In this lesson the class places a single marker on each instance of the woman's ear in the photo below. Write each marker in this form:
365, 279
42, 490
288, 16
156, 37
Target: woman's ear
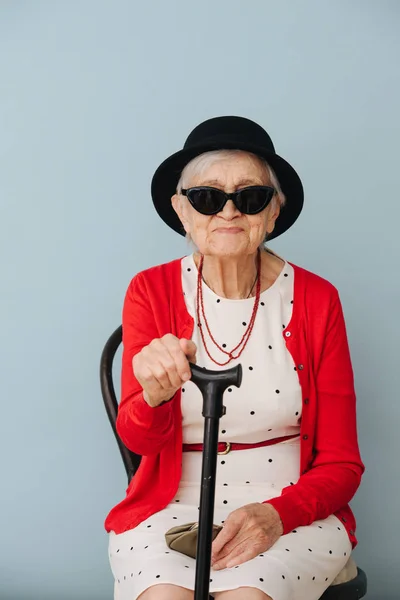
176, 202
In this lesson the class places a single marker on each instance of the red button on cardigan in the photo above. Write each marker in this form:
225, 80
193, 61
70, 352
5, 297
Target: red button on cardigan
330, 462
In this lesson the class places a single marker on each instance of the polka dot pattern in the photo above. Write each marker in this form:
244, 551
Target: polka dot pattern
291, 562
269, 404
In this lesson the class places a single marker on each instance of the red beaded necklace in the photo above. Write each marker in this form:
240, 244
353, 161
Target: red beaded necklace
247, 333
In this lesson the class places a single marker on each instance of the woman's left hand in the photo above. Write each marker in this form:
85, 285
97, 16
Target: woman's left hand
247, 531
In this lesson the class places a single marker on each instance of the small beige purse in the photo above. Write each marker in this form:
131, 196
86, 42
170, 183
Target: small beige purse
183, 538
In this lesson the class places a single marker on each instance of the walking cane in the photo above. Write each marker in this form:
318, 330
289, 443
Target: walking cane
212, 385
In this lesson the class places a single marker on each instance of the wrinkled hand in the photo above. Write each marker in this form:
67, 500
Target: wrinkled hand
162, 367
247, 531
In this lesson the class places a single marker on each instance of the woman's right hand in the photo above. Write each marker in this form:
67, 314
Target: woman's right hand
162, 367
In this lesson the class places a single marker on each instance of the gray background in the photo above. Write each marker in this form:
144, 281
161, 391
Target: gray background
93, 96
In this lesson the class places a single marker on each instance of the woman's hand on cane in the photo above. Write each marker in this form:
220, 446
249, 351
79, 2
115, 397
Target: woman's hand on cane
162, 367
247, 532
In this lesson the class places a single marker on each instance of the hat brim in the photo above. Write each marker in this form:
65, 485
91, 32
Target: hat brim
166, 177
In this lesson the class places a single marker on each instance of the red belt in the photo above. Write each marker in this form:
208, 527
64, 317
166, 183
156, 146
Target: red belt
225, 447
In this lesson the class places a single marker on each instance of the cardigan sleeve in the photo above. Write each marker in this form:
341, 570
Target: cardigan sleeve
143, 429
336, 469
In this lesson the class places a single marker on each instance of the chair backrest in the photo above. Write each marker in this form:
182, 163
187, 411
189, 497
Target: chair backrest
130, 459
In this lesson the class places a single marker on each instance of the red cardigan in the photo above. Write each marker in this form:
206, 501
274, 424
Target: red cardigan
330, 462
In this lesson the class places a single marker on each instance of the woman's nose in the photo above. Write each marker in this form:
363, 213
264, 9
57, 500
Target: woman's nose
229, 210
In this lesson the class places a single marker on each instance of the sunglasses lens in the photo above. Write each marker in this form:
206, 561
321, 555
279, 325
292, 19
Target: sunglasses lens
254, 200
206, 201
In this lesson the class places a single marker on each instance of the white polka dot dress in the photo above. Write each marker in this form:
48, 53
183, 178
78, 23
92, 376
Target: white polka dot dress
301, 564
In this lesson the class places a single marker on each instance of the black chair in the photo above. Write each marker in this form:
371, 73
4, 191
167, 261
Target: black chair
352, 590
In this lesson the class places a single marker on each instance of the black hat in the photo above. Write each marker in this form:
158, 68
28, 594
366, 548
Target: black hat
223, 133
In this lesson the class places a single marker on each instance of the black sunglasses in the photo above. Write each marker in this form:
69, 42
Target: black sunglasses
210, 201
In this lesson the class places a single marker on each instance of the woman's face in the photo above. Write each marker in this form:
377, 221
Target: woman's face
229, 232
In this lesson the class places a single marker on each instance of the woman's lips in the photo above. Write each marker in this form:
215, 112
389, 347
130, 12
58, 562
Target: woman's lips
229, 229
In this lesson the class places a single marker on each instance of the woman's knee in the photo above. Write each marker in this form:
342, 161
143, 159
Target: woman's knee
242, 593
166, 591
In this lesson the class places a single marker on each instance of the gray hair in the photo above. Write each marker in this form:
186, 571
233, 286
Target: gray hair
200, 163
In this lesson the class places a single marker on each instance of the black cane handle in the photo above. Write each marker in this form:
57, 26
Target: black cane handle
220, 380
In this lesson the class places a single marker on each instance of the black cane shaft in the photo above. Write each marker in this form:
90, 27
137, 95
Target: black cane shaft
212, 385
206, 512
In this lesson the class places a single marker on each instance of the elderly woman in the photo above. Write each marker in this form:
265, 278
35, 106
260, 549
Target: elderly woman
289, 462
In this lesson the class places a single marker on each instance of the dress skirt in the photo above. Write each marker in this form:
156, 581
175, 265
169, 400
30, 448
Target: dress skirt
300, 565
